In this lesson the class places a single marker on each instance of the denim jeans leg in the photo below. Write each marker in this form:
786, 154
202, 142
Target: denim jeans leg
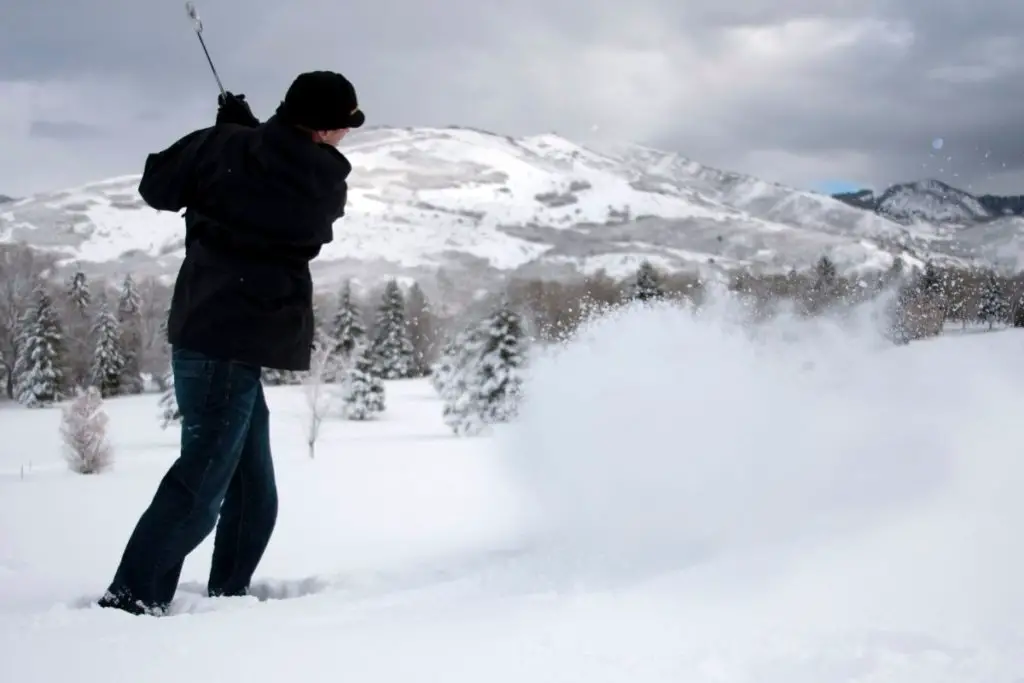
216, 400
249, 512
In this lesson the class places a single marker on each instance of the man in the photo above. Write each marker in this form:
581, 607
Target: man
260, 201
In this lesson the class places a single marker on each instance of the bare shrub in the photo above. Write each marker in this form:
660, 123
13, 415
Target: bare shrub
84, 431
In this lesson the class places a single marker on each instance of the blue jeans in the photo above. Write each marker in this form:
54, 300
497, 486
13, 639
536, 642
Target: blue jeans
225, 468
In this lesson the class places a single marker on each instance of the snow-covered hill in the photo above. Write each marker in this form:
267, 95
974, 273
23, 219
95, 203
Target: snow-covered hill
931, 201
482, 206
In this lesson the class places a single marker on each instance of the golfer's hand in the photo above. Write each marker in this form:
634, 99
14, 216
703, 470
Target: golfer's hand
233, 108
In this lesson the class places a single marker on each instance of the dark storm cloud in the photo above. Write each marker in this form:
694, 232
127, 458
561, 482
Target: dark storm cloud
690, 73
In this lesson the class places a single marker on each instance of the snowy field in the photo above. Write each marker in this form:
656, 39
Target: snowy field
676, 503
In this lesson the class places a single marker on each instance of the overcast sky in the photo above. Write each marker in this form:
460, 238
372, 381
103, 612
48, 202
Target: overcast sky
804, 92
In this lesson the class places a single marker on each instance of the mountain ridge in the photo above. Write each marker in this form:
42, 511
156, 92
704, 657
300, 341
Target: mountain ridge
933, 200
462, 205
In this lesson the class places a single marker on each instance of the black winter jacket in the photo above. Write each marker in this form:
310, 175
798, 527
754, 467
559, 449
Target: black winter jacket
259, 205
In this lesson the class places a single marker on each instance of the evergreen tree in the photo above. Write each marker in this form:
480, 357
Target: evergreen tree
420, 324
825, 272
1017, 312
78, 293
447, 361
78, 324
362, 392
456, 382
929, 282
647, 284
825, 288
129, 317
479, 374
108, 358
347, 328
499, 370
169, 412
391, 350
40, 366
130, 302
994, 305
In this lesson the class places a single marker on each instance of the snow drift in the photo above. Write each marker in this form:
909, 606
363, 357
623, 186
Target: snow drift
805, 472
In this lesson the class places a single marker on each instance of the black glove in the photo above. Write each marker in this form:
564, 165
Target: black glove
233, 108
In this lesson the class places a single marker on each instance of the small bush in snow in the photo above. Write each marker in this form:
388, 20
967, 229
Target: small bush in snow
84, 431
324, 364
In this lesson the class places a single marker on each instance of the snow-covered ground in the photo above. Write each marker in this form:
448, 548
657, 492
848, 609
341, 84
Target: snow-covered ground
676, 503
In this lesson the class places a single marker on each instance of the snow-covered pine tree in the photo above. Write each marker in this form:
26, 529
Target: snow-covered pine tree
362, 392
130, 302
420, 321
169, 412
447, 361
40, 366
108, 358
499, 368
84, 431
129, 317
482, 383
78, 293
825, 288
646, 285
347, 327
79, 302
994, 306
456, 380
391, 350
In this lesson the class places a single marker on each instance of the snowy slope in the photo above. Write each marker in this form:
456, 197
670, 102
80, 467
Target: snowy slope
855, 528
482, 206
766, 200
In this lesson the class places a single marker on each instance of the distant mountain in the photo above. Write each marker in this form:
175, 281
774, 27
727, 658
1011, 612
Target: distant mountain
470, 208
933, 201
1003, 205
4, 198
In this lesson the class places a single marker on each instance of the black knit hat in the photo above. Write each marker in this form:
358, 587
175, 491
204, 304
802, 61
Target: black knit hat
321, 100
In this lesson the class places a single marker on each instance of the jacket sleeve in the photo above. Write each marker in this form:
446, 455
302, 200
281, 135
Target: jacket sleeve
168, 179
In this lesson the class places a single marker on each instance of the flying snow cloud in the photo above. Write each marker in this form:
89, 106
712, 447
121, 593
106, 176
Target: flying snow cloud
857, 91
807, 470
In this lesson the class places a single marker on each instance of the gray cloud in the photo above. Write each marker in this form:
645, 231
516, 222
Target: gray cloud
63, 130
798, 91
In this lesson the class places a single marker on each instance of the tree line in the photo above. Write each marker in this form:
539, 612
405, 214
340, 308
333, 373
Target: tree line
923, 300
59, 336
62, 338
